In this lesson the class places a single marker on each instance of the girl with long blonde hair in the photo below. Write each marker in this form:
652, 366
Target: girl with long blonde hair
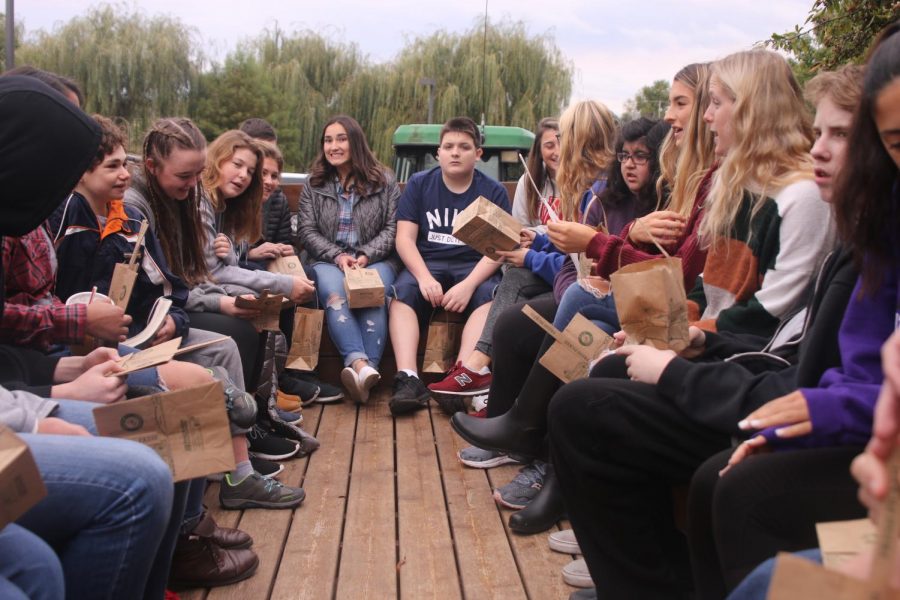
765, 226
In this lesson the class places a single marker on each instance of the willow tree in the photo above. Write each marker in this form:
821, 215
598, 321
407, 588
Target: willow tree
129, 65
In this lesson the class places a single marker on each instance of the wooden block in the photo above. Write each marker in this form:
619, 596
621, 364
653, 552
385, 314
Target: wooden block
486, 564
368, 567
427, 563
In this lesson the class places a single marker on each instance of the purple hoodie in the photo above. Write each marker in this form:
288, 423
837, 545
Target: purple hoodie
841, 407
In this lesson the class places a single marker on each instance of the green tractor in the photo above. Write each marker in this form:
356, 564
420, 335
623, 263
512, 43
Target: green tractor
415, 147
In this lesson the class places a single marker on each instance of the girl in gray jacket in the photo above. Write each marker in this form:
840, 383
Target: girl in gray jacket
347, 219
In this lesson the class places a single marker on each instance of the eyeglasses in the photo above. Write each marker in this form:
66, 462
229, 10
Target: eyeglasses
639, 158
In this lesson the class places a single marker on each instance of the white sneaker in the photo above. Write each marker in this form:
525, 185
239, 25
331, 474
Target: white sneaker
576, 573
564, 541
368, 378
359, 384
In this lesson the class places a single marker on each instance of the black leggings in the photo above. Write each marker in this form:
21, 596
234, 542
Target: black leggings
518, 342
244, 335
766, 504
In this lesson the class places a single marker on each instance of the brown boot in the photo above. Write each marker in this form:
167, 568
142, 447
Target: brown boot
199, 563
224, 537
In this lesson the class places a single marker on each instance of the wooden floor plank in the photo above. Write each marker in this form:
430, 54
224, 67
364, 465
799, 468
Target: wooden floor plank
309, 562
427, 562
369, 555
268, 527
540, 568
487, 567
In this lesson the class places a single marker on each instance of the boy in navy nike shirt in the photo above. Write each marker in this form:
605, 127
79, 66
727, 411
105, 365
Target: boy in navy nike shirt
441, 271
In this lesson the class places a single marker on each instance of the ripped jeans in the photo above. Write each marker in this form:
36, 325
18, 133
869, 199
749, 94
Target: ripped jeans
359, 333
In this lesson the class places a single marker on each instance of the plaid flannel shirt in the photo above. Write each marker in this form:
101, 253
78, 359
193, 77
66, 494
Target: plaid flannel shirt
32, 315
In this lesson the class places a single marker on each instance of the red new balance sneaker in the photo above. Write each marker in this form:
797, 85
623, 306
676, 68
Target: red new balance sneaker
462, 382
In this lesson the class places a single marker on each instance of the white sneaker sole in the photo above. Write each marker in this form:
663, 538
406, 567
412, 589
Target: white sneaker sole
500, 459
351, 383
576, 574
564, 542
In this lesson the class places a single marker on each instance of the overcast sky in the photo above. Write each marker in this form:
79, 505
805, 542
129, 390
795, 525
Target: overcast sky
616, 47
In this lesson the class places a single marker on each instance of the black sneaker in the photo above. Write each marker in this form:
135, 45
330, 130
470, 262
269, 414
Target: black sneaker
307, 442
308, 392
271, 447
328, 393
410, 394
266, 468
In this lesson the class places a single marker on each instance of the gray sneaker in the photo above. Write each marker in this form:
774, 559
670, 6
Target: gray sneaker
257, 492
524, 487
478, 458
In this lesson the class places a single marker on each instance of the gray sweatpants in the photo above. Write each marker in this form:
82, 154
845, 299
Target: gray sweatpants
518, 284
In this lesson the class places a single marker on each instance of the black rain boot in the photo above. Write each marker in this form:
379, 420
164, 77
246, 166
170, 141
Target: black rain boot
520, 430
544, 511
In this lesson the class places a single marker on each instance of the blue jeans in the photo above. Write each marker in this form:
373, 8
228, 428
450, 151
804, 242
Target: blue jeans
755, 586
107, 508
359, 333
81, 413
28, 567
602, 311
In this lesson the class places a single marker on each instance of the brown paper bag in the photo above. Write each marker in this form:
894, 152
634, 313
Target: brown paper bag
306, 339
269, 307
652, 304
841, 541
570, 356
21, 486
364, 288
441, 345
188, 428
288, 265
121, 284
487, 228
795, 578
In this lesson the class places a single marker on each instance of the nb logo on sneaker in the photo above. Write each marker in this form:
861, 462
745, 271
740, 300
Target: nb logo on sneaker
463, 379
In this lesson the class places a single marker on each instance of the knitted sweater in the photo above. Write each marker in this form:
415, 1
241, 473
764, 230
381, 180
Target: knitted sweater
226, 277
759, 273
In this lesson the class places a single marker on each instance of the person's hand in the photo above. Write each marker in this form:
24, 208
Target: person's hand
98, 356
457, 298
619, 338
790, 414
754, 445
432, 291
362, 261
166, 332
265, 251
570, 237
526, 237
94, 386
874, 479
344, 261
55, 426
696, 343
515, 258
302, 290
107, 322
645, 363
222, 246
227, 307
664, 225
286, 249
886, 425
